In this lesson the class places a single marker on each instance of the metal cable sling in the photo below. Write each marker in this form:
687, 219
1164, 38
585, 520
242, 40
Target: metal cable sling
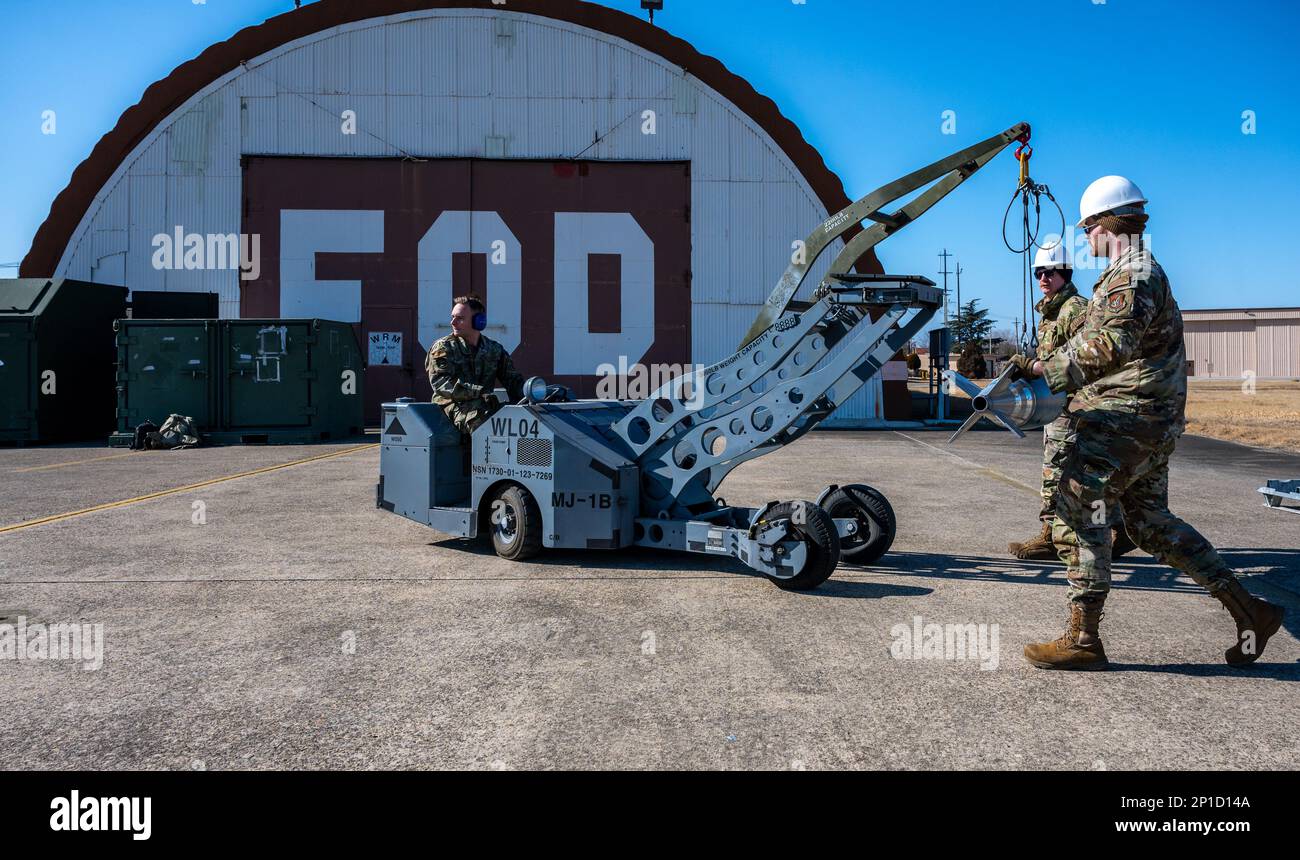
1025, 188
1029, 334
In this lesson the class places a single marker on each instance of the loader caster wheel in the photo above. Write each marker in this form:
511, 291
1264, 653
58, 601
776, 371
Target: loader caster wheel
516, 523
876, 523
815, 528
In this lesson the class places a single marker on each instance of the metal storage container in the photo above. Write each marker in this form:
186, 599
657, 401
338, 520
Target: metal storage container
290, 380
56, 359
166, 366
275, 380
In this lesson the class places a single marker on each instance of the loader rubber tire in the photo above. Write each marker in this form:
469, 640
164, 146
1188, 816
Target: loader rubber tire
877, 524
820, 539
517, 529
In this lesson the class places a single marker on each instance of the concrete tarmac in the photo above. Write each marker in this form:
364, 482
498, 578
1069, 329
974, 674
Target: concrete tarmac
280, 620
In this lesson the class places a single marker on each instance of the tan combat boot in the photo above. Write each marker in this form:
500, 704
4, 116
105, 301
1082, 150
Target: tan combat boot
1036, 549
1121, 543
1256, 619
1079, 647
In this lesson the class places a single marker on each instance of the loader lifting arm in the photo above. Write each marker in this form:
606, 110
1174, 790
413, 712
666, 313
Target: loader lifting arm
951, 172
780, 384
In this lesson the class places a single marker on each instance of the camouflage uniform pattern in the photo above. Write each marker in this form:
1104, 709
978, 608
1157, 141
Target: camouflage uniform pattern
1126, 373
1060, 316
1128, 358
462, 378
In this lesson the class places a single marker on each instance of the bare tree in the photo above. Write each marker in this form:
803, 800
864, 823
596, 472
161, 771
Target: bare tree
1004, 342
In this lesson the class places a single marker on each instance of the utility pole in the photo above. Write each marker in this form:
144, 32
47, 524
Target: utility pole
941, 389
959, 271
944, 256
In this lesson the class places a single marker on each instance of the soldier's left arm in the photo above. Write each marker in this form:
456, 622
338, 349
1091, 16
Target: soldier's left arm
1108, 337
512, 379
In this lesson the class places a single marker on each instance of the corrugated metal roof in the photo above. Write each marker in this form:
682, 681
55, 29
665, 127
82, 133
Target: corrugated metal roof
404, 59
250, 54
750, 283
538, 89
1241, 313
439, 125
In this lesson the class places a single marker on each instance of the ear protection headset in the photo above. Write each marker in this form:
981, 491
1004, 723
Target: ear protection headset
479, 321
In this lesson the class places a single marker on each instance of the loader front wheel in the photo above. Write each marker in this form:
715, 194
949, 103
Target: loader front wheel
516, 524
816, 530
875, 518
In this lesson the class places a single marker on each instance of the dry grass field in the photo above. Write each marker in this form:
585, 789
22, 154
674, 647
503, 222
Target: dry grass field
1267, 418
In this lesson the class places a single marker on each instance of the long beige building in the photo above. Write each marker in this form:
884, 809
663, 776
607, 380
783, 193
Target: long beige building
1229, 342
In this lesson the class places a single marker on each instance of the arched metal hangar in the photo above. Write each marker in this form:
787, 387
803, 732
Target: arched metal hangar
610, 190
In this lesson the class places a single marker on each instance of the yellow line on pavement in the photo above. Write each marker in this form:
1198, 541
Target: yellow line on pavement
73, 462
109, 505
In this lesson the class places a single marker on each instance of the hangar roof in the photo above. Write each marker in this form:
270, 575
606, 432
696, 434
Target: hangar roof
1201, 314
164, 96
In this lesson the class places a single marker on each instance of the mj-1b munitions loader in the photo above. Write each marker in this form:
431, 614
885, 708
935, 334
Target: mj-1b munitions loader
607, 474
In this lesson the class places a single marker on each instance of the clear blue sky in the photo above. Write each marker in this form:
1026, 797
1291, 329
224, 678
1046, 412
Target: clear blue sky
1152, 89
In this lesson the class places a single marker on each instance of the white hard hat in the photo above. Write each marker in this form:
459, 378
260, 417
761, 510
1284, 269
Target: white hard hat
1110, 194
1053, 256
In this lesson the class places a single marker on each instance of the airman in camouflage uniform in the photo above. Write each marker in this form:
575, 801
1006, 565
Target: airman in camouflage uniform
464, 368
1125, 370
1061, 314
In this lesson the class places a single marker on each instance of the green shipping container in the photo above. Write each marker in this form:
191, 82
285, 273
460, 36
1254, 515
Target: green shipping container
56, 359
243, 381
166, 366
